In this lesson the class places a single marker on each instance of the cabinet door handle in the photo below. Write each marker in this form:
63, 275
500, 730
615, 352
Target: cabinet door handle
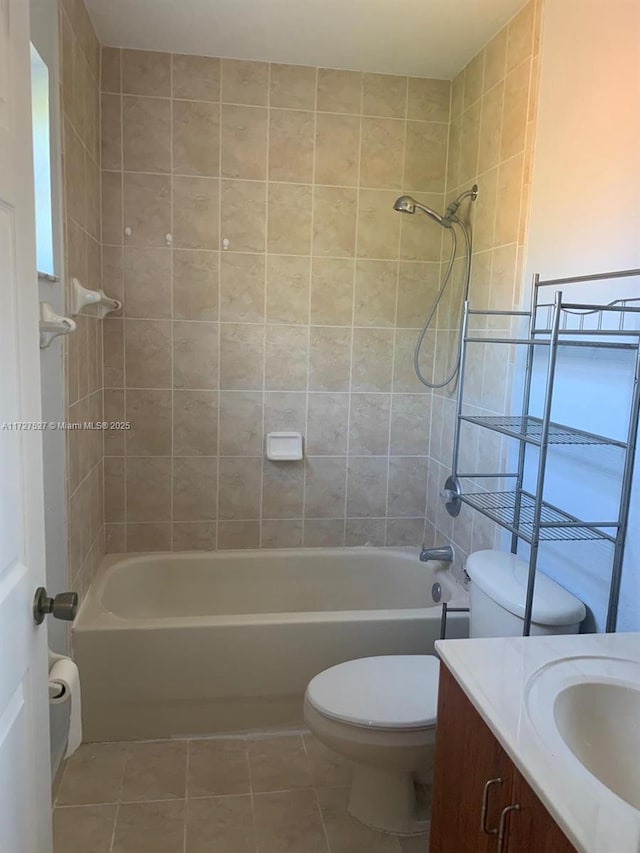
503, 824
485, 805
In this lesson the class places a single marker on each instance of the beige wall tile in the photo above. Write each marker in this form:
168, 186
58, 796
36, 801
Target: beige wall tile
323, 533
196, 77
114, 489
114, 412
195, 423
367, 487
241, 356
421, 239
381, 151
195, 213
369, 424
239, 488
147, 209
110, 74
376, 288
234, 535
287, 289
148, 537
113, 342
195, 285
514, 117
149, 413
485, 211
410, 425
289, 208
241, 414
291, 134
339, 91
284, 411
378, 225
242, 288
404, 377
332, 281
328, 420
244, 142
337, 149
490, 128
146, 72
365, 531
194, 536
372, 360
428, 100
509, 194
196, 138
147, 283
286, 356
194, 489
293, 86
243, 215
329, 358
418, 285
195, 355
334, 221
115, 538
111, 138
111, 192
425, 156
148, 353
495, 59
384, 95
282, 489
325, 487
148, 489
405, 531
146, 134
282, 534
470, 142
520, 35
245, 82
407, 486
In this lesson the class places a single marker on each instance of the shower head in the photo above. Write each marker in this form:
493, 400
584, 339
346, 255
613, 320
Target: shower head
406, 204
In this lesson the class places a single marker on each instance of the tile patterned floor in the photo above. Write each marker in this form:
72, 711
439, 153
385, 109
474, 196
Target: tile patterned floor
259, 794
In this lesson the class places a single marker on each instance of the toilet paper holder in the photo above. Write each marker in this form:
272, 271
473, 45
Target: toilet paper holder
62, 606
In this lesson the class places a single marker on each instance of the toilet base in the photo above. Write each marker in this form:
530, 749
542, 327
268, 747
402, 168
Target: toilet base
385, 800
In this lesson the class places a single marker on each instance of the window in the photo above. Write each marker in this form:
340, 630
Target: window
42, 162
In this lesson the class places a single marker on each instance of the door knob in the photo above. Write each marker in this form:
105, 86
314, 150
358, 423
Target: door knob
62, 606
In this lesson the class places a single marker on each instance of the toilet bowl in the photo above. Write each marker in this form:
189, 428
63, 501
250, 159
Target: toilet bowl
379, 712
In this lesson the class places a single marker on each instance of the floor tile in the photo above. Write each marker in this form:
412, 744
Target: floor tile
289, 822
327, 767
83, 829
345, 833
279, 764
155, 771
150, 827
93, 774
218, 767
220, 825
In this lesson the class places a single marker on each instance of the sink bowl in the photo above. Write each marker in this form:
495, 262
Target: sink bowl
588, 709
600, 723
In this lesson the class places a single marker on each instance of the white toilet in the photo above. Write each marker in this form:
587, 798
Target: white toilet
380, 712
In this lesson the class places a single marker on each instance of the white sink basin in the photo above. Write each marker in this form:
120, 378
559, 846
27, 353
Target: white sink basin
588, 709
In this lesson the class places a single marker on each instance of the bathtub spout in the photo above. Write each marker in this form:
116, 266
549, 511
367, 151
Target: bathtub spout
444, 554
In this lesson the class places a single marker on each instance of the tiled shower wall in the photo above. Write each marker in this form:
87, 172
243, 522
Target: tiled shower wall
80, 98
267, 285
493, 113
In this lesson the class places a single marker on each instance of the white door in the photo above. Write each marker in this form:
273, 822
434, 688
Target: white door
25, 823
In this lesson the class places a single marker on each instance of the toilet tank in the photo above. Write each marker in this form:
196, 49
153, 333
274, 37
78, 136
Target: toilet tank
498, 593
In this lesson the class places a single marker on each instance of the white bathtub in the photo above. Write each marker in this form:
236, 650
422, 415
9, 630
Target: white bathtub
200, 643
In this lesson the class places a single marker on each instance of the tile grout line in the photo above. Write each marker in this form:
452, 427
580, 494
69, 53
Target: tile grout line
219, 307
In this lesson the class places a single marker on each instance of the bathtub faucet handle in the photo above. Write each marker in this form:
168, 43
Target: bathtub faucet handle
443, 554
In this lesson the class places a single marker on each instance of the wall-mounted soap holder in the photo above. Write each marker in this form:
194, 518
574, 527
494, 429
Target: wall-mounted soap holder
82, 297
284, 446
52, 325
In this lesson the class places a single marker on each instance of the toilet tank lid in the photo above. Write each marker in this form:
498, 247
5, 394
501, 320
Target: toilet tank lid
503, 577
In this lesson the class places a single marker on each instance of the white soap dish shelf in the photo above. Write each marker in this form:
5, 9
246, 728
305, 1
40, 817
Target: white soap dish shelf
82, 297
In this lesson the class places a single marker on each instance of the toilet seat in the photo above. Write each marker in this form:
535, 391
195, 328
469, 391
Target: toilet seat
390, 692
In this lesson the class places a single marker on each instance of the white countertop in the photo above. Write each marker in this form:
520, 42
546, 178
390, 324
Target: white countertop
495, 674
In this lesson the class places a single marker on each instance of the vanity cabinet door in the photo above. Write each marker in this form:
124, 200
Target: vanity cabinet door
467, 757
531, 829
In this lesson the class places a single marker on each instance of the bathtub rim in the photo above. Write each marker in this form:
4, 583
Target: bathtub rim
92, 615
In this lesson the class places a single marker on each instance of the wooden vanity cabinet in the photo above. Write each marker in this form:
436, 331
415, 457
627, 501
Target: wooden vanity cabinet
475, 781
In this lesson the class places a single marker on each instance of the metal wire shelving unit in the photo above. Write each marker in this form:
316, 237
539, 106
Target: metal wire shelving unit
525, 514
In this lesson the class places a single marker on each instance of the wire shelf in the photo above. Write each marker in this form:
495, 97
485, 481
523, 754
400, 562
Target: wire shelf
530, 429
501, 507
